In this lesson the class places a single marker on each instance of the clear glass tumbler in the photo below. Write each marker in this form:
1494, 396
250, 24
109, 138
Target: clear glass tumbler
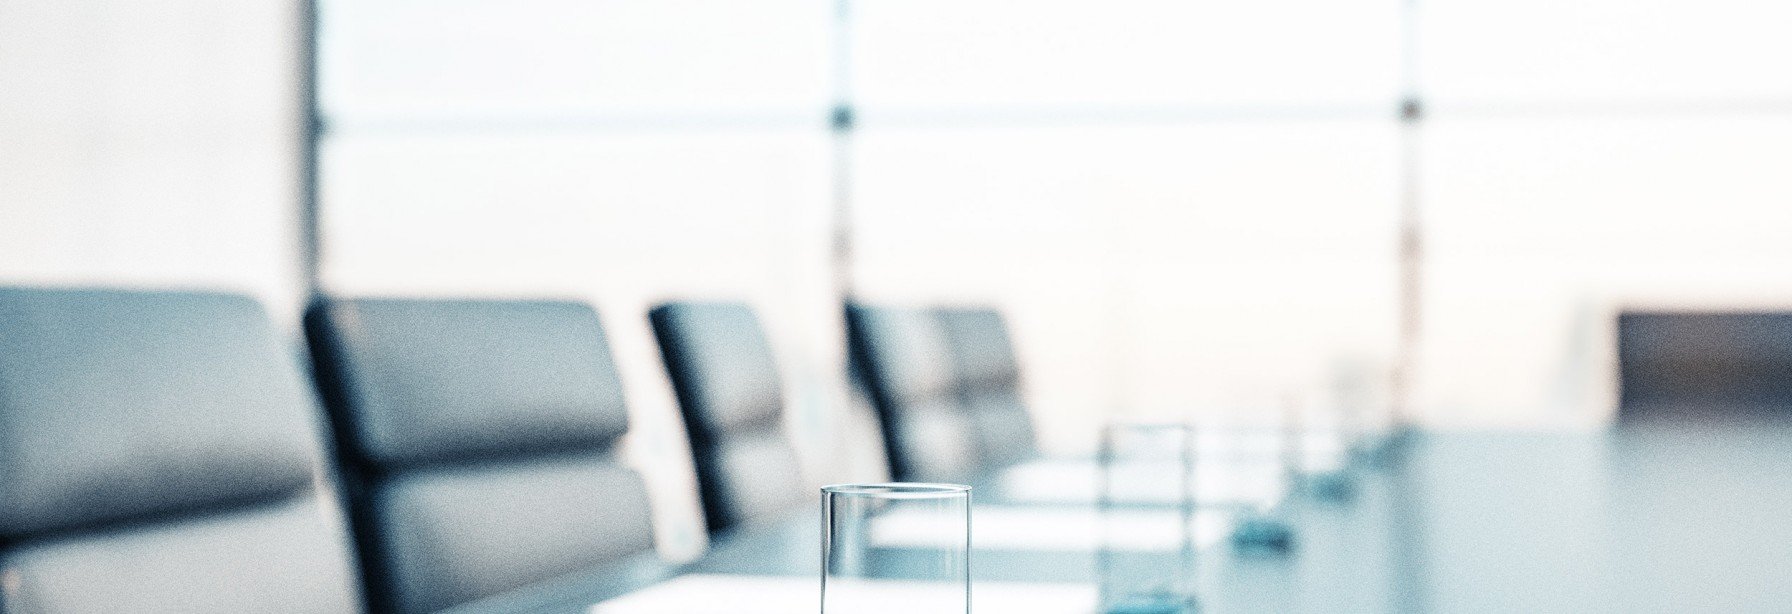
1147, 502
1323, 438
897, 547
1265, 523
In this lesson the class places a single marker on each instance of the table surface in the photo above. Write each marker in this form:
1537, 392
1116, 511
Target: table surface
1657, 518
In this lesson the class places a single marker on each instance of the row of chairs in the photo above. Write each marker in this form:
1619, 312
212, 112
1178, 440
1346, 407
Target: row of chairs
162, 452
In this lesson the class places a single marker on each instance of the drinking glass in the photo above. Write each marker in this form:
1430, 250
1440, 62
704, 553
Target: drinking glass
1147, 507
1265, 522
1324, 432
896, 547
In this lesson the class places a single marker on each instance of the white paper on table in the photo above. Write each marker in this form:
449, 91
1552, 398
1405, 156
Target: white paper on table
1032, 529
727, 594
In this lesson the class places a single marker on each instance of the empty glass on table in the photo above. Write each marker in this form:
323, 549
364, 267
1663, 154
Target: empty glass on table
1146, 560
896, 547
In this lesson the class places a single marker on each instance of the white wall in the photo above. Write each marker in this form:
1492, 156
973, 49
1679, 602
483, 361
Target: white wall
1184, 207
151, 143
1150, 269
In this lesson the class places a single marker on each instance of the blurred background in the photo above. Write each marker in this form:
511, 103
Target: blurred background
1444, 207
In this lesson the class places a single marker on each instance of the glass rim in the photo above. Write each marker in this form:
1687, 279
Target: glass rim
898, 490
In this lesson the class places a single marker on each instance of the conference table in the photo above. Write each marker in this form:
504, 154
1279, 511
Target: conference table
1663, 517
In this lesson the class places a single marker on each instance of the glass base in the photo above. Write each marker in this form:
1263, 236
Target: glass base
1266, 535
1331, 486
1153, 604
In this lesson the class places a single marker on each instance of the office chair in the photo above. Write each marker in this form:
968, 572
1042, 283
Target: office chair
729, 394
988, 382
161, 452
478, 440
902, 354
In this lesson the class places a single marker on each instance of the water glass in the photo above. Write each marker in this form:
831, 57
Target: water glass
896, 547
1147, 557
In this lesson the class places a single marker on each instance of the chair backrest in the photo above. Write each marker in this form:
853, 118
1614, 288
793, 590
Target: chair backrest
729, 393
160, 452
988, 381
1703, 365
902, 354
479, 443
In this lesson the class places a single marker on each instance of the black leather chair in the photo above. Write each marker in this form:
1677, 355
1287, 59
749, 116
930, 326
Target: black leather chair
161, 452
988, 382
729, 393
903, 355
1704, 366
478, 439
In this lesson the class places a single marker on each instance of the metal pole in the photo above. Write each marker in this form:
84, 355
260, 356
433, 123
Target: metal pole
1411, 232
311, 130
842, 122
